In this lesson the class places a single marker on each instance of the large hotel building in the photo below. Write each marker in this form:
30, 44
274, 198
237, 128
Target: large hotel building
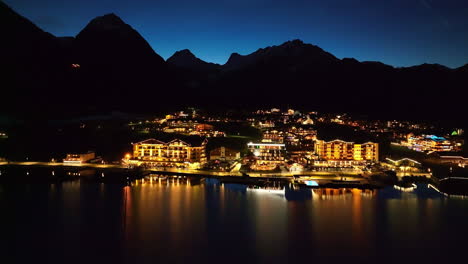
342, 153
152, 152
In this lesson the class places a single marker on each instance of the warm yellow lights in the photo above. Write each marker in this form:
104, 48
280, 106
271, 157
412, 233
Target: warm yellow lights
342, 150
176, 153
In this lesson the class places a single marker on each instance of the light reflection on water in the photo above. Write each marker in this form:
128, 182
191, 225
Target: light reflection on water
172, 220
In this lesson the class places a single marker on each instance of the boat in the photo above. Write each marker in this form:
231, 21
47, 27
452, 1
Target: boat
271, 190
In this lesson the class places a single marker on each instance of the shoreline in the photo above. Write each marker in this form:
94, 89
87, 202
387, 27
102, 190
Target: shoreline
124, 174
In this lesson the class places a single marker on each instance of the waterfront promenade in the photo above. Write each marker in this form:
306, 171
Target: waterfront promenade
61, 164
329, 175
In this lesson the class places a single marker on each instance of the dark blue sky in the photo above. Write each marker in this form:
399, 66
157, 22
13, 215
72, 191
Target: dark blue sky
396, 32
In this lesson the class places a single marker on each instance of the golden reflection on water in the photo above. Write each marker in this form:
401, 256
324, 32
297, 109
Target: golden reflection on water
126, 209
341, 220
175, 205
357, 225
270, 212
172, 213
181, 217
172, 210
222, 198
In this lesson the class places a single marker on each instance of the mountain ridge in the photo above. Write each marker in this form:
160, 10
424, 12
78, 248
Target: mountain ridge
115, 18
111, 61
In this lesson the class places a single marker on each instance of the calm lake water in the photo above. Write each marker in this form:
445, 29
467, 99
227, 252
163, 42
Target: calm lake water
181, 222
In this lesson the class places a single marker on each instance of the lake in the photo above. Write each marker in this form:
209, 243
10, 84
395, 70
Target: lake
180, 221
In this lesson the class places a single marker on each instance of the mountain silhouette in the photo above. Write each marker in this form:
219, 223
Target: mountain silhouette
109, 66
21, 39
107, 39
30, 62
115, 61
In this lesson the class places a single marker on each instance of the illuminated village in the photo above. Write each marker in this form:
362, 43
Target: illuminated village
288, 144
307, 147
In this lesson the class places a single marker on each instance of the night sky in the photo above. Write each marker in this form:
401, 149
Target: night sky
396, 32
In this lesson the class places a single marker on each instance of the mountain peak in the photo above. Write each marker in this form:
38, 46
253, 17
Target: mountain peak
233, 58
106, 37
107, 22
186, 59
294, 42
235, 55
289, 52
183, 53
235, 61
110, 16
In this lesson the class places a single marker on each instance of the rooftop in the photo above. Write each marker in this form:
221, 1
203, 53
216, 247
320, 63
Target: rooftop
193, 141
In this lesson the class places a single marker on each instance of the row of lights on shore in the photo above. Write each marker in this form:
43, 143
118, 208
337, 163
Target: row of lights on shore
176, 181
69, 173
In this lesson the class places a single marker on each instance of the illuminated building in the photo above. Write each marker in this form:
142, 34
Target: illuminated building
273, 136
180, 130
430, 143
206, 130
338, 119
179, 153
301, 131
301, 137
341, 153
182, 123
181, 114
295, 167
456, 160
405, 162
268, 152
79, 158
193, 128
308, 121
292, 137
205, 133
224, 154
266, 124
405, 165
301, 156
204, 127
